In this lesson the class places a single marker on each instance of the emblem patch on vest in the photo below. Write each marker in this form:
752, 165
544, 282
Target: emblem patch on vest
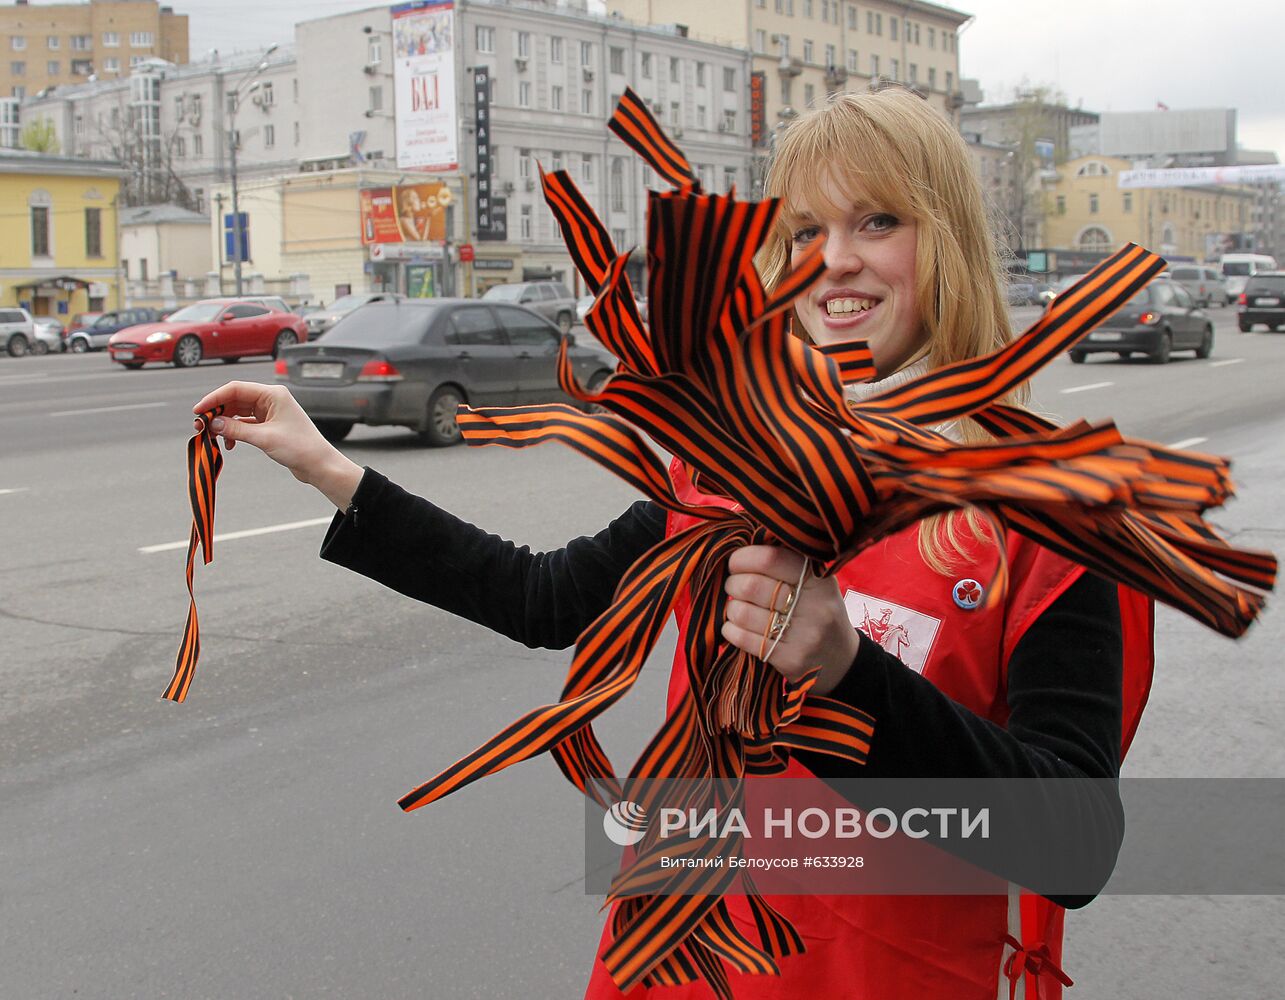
906, 634
967, 594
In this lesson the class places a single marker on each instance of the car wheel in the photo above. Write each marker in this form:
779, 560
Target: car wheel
284, 339
1206, 347
1245, 327
39, 347
596, 382
79, 346
188, 352
17, 345
564, 322
1160, 356
440, 428
334, 430
132, 365
1077, 357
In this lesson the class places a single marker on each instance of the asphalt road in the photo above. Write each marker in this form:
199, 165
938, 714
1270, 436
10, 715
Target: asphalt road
248, 843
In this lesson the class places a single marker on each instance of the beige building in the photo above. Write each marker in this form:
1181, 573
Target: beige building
807, 49
165, 254
1088, 211
55, 44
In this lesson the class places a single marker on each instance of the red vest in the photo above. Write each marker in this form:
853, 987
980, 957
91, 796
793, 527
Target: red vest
881, 947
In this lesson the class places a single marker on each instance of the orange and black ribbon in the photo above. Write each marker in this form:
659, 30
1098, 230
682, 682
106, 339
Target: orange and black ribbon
204, 462
762, 418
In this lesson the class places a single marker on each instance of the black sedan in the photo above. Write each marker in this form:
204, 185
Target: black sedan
410, 363
1160, 319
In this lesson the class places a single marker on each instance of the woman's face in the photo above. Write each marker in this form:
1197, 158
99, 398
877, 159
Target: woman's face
868, 290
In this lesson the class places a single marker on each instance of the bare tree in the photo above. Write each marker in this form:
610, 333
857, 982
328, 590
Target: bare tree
138, 143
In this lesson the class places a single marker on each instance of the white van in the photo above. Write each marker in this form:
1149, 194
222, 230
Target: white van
1237, 267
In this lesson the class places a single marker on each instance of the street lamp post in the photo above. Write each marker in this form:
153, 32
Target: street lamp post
238, 237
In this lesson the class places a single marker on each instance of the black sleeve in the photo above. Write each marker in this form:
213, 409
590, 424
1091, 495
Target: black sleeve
540, 599
1065, 711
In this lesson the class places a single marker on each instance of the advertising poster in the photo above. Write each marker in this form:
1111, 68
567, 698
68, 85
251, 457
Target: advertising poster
424, 83
406, 213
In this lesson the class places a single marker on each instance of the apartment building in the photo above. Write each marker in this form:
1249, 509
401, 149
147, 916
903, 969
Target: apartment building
809, 49
52, 45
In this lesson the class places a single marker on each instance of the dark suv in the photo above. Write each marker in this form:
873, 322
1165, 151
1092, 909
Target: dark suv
95, 336
1262, 301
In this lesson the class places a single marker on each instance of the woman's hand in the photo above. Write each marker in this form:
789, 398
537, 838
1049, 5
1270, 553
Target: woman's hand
819, 633
269, 418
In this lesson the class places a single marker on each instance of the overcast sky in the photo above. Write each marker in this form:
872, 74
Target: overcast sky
1105, 55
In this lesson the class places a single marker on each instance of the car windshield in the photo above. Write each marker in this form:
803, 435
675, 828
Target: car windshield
1267, 283
383, 324
503, 293
200, 312
1236, 268
347, 303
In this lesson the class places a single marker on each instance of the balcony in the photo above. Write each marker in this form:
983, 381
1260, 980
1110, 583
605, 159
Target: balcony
789, 66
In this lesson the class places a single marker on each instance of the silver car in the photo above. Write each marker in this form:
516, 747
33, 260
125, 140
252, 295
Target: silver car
17, 331
49, 335
549, 299
327, 316
1204, 284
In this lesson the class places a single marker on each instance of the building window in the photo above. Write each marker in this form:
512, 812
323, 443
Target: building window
914, 72
377, 98
40, 230
198, 144
524, 94
140, 39
180, 147
1061, 204
93, 232
700, 74
760, 40
523, 43
675, 114
807, 50
198, 194
1128, 201
932, 38
269, 98
807, 8
19, 92
829, 56
18, 69
484, 38
618, 238
53, 67
111, 40
729, 121
786, 90
296, 133
586, 168
53, 42
783, 45
555, 50
142, 268
729, 79
892, 28
1097, 239
1093, 204
673, 69
111, 64
135, 61
555, 98
729, 179
81, 43
586, 53
374, 51
894, 67
916, 26
557, 159
525, 230
617, 184
17, 42
950, 81
932, 77
874, 64
269, 136
809, 94
616, 60
586, 102
645, 62
700, 116
524, 164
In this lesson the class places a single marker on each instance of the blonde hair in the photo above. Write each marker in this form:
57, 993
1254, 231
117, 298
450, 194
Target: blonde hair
899, 154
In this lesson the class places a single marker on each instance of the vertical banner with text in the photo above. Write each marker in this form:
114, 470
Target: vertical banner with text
424, 81
482, 149
758, 109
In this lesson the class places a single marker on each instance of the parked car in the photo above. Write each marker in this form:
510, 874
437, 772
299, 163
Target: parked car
228, 329
17, 330
49, 335
1204, 284
1237, 268
548, 298
1025, 293
95, 336
325, 317
411, 363
1262, 301
1158, 320
1052, 291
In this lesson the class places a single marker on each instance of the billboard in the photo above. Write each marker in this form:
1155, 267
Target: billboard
1187, 176
424, 85
404, 213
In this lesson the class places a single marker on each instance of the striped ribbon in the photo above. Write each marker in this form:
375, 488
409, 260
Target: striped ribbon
760, 417
204, 462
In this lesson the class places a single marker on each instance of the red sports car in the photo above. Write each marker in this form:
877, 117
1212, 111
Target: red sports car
229, 329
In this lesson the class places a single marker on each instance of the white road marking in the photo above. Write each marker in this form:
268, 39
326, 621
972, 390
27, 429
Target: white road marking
106, 409
18, 489
1225, 361
250, 533
1086, 388
1188, 443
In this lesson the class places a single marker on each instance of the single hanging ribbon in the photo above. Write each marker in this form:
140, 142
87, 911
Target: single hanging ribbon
204, 461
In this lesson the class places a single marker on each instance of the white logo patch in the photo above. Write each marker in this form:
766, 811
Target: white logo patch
906, 634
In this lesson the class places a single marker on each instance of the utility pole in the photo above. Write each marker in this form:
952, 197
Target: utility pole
238, 237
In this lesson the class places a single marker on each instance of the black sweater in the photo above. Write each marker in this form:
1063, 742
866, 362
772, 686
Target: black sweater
1064, 677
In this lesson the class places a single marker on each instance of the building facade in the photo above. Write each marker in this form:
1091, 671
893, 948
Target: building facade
58, 239
1092, 214
808, 49
53, 45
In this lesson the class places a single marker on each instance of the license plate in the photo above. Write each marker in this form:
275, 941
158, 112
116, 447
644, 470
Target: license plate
322, 369
1106, 336
124, 355
1268, 302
